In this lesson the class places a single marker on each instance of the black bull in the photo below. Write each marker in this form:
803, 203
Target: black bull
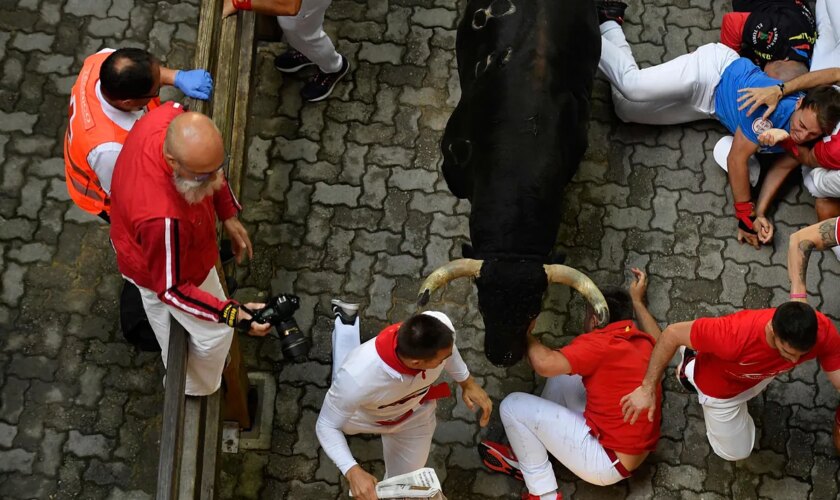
511, 146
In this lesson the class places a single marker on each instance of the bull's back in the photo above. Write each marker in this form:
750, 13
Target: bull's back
519, 132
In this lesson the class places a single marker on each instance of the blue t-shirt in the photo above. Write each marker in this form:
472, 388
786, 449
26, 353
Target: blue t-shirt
742, 74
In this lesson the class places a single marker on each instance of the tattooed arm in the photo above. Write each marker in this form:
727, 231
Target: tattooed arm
819, 236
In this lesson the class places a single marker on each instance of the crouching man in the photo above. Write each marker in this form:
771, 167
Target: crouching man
578, 419
387, 386
736, 357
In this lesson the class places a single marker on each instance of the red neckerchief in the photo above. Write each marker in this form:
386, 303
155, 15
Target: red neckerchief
386, 347
625, 328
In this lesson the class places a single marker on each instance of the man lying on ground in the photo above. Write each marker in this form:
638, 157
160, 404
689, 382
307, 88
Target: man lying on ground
704, 84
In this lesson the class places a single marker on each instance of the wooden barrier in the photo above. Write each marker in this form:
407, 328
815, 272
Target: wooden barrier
192, 426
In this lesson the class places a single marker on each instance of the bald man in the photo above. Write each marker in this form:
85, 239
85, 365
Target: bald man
167, 190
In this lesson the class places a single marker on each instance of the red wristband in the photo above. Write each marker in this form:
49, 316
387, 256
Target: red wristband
242, 4
799, 295
744, 213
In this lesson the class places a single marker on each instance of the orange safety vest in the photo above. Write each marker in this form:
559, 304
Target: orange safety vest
87, 128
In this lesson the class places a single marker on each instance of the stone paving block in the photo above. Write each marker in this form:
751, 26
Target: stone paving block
378, 53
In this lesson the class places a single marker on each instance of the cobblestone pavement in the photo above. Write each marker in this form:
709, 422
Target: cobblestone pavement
344, 198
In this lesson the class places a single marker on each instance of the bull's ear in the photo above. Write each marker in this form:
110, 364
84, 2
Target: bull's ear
467, 251
557, 257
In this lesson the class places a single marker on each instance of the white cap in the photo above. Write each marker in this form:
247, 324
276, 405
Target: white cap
440, 317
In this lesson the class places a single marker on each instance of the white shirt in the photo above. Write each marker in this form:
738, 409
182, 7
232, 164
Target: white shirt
367, 390
103, 157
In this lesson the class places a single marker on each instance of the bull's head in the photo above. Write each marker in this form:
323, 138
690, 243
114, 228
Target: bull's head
510, 298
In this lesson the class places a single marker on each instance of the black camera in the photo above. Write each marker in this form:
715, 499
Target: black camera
279, 312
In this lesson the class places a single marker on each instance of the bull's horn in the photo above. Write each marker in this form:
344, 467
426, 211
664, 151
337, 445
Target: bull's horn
444, 274
565, 275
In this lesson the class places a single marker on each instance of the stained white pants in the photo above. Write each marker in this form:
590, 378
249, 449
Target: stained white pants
821, 182
207, 343
305, 33
405, 446
678, 91
729, 426
554, 423
827, 48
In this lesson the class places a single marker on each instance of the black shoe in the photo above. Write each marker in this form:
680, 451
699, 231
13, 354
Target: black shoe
291, 61
345, 311
682, 378
611, 10
322, 84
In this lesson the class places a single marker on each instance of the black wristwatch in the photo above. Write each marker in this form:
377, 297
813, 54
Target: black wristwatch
782, 88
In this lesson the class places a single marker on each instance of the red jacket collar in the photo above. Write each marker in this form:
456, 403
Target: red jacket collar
386, 347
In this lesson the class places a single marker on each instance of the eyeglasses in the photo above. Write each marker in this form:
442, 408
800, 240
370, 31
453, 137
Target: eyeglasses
195, 176
498, 8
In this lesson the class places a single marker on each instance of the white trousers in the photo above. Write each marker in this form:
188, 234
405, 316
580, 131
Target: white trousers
536, 426
821, 182
827, 48
729, 426
207, 343
678, 91
305, 33
405, 446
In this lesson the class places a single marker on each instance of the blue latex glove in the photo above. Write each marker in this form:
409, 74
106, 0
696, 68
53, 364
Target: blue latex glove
196, 83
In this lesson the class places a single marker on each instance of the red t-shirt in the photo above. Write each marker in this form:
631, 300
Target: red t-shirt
612, 362
733, 354
827, 150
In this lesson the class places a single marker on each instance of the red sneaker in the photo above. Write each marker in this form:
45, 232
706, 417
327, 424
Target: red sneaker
528, 496
500, 458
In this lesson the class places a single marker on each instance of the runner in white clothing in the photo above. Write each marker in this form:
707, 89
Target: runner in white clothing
387, 386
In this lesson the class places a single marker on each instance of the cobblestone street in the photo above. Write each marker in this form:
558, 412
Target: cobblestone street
345, 198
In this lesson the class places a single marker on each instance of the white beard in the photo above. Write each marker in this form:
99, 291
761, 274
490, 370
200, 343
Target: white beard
195, 191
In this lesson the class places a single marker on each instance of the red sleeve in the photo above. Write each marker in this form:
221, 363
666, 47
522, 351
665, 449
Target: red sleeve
584, 354
829, 355
162, 241
225, 202
827, 151
731, 29
718, 336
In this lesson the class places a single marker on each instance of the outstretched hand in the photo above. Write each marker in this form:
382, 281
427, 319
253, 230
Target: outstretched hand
755, 98
748, 237
772, 137
764, 228
239, 239
638, 288
474, 396
635, 403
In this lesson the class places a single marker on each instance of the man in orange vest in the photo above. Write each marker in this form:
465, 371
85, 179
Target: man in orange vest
114, 89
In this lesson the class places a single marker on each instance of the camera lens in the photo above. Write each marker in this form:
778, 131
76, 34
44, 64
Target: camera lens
293, 344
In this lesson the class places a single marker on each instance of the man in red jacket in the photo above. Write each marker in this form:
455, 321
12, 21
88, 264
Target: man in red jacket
166, 192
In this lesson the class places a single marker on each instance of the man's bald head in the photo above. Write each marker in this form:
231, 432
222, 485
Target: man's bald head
195, 143
785, 70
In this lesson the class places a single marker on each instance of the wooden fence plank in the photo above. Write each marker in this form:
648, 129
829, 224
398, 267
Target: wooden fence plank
172, 426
